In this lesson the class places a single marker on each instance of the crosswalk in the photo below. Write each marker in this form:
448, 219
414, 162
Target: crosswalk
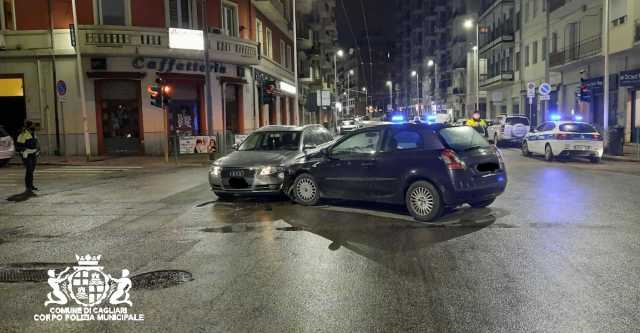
13, 177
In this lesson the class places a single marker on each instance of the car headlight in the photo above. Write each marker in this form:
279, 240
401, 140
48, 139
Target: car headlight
270, 170
215, 171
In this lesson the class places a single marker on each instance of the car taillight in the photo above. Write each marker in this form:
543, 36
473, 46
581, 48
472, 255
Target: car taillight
561, 136
597, 137
451, 160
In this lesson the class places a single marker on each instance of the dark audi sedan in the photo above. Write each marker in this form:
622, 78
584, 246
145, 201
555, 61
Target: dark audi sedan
257, 165
428, 168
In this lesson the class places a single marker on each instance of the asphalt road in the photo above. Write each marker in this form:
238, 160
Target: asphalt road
558, 252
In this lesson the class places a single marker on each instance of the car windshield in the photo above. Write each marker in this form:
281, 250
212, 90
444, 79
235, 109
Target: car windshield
577, 128
348, 122
518, 120
269, 141
463, 138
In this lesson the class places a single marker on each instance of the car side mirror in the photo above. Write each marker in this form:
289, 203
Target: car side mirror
235, 146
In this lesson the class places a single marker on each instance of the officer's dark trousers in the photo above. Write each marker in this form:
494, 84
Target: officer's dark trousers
30, 167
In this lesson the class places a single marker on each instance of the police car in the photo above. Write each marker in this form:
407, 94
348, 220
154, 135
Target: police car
564, 139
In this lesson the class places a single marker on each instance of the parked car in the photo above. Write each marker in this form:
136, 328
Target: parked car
257, 165
566, 139
7, 148
508, 129
347, 125
425, 167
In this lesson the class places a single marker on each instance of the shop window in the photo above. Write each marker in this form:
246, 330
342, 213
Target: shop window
113, 12
230, 19
269, 44
7, 15
182, 14
535, 52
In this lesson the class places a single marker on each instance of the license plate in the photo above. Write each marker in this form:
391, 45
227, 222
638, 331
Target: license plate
582, 147
236, 173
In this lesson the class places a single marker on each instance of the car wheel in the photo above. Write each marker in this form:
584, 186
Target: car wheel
423, 201
223, 196
305, 190
4, 162
595, 159
482, 204
525, 149
548, 153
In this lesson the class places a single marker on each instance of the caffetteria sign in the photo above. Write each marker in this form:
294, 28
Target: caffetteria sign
168, 65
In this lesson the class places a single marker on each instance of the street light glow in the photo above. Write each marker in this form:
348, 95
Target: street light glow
351, 72
430, 63
475, 47
414, 73
364, 88
340, 53
468, 24
389, 83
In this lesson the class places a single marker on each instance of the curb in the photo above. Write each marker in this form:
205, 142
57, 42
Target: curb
620, 159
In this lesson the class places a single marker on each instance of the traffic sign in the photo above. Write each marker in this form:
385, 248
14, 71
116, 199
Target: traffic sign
531, 89
61, 88
544, 89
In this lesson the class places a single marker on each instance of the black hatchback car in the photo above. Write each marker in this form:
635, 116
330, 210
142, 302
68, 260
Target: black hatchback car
428, 168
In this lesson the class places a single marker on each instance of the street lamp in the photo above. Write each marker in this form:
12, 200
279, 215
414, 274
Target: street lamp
417, 76
433, 64
470, 24
338, 53
351, 72
366, 99
390, 85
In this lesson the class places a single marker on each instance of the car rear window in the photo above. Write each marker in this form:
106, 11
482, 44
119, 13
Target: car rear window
463, 138
577, 128
517, 120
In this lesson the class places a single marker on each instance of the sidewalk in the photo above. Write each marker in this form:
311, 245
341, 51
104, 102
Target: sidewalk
139, 161
631, 153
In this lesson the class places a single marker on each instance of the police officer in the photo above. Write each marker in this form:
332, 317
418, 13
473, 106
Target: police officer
29, 148
475, 120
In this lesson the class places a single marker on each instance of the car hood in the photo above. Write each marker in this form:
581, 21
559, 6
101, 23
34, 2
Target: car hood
245, 159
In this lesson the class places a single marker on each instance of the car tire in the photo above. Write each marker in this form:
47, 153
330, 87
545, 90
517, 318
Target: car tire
482, 204
525, 149
423, 201
4, 162
223, 196
595, 159
548, 153
305, 190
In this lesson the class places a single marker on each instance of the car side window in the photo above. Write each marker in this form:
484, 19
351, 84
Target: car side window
404, 140
361, 143
549, 126
541, 127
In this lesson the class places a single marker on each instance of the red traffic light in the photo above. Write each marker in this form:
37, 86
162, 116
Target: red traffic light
153, 90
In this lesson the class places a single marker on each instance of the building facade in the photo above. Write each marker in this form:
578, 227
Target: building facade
86, 88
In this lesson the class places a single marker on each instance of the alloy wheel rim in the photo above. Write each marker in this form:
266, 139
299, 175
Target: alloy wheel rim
421, 200
306, 189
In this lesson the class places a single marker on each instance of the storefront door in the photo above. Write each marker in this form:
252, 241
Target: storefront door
119, 116
12, 104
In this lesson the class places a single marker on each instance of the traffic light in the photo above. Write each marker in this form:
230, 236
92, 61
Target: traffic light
166, 95
159, 93
584, 92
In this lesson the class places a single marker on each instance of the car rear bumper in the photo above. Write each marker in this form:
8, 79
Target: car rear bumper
475, 188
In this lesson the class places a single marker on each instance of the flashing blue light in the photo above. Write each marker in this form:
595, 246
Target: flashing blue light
578, 118
397, 118
555, 117
431, 118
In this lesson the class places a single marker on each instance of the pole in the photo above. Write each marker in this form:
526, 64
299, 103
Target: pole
165, 125
83, 103
418, 92
295, 65
605, 48
55, 78
208, 73
334, 114
348, 94
477, 52
546, 58
437, 92
391, 96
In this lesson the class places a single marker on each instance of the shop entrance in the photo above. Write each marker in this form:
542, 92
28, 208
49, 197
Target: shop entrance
119, 116
13, 110
185, 109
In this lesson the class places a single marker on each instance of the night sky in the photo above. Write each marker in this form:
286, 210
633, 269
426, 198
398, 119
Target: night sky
379, 19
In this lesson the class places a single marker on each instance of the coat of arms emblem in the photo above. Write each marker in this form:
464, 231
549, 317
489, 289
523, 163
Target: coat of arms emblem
87, 284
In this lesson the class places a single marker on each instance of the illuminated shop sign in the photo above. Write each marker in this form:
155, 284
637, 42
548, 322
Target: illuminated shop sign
168, 65
186, 39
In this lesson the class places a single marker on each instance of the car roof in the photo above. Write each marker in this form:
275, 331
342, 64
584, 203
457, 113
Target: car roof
402, 125
285, 128
562, 122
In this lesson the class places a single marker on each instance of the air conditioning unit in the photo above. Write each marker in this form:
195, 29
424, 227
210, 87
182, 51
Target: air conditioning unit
3, 44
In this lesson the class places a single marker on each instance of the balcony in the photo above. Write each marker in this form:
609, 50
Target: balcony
503, 33
584, 49
555, 4
497, 79
636, 38
274, 10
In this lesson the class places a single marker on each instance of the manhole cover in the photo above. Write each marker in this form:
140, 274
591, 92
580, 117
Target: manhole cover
160, 279
29, 272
